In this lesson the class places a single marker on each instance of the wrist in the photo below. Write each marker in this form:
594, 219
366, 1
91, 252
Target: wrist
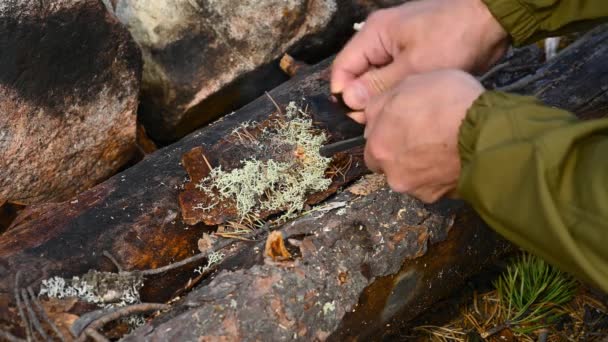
493, 35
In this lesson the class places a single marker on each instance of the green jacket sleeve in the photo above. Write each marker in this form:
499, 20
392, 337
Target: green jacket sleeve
527, 21
539, 177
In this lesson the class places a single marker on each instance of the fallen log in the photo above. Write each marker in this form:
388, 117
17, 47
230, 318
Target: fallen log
347, 274
135, 216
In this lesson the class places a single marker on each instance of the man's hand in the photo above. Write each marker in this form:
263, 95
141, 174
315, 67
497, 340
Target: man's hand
412, 132
416, 37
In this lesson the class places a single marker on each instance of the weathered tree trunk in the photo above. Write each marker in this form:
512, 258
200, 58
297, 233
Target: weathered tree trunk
388, 255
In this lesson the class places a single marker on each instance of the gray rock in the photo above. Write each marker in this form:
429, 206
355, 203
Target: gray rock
69, 82
196, 52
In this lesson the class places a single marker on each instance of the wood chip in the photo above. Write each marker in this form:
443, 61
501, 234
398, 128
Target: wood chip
368, 184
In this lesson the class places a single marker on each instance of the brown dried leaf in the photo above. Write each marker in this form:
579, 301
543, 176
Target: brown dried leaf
290, 66
275, 247
368, 184
206, 243
59, 312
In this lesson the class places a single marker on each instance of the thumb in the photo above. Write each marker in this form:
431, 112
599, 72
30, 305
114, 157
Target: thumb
375, 81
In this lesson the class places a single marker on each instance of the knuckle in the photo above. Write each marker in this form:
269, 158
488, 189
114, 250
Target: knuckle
375, 82
377, 17
374, 17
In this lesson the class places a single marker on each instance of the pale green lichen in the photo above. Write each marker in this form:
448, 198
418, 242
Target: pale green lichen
95, 287
329, 307
213, 259
275, 184
107, 290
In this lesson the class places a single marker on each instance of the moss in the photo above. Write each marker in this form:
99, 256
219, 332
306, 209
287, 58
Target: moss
282, 182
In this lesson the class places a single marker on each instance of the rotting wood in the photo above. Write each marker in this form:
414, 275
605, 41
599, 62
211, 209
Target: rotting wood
135, 217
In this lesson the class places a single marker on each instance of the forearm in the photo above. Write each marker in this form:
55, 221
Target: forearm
539, 176
527, 21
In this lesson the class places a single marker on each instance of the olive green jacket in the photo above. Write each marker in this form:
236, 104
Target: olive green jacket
538, 175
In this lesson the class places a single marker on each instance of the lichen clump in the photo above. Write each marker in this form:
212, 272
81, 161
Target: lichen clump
107, 290
104, 289
275, 184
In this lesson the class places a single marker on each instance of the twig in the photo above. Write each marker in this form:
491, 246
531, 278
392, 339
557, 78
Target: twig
113, 260
493, 71
32, 315
543, 335
197, 257
232, 236
28, 327
122, 312
207, 162
181, 263
44, 315
525, 67
96, 335
524, 81
274, 102
495, 330
9, 337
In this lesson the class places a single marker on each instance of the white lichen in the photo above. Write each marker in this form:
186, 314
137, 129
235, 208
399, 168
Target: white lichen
328, 307
275, 184
107, 290
213, 259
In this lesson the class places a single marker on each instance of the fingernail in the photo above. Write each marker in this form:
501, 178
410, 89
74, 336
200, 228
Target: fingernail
335, 87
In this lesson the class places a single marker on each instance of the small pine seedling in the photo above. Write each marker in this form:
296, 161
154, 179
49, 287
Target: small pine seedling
532, 291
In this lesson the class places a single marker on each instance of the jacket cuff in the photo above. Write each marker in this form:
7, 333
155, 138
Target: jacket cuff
515, 18
486, 124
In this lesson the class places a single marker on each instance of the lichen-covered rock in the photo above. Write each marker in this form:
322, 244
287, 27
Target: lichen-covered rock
194, 48
69, 82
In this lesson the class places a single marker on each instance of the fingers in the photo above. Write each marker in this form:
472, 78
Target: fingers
377, 150
359, 117
374, 82
375, 108
364, 50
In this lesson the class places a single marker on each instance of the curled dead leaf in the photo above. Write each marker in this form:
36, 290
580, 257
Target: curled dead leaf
206, 243
275, 247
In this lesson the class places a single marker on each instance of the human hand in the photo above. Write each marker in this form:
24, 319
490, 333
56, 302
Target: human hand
415, 37
412, 132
